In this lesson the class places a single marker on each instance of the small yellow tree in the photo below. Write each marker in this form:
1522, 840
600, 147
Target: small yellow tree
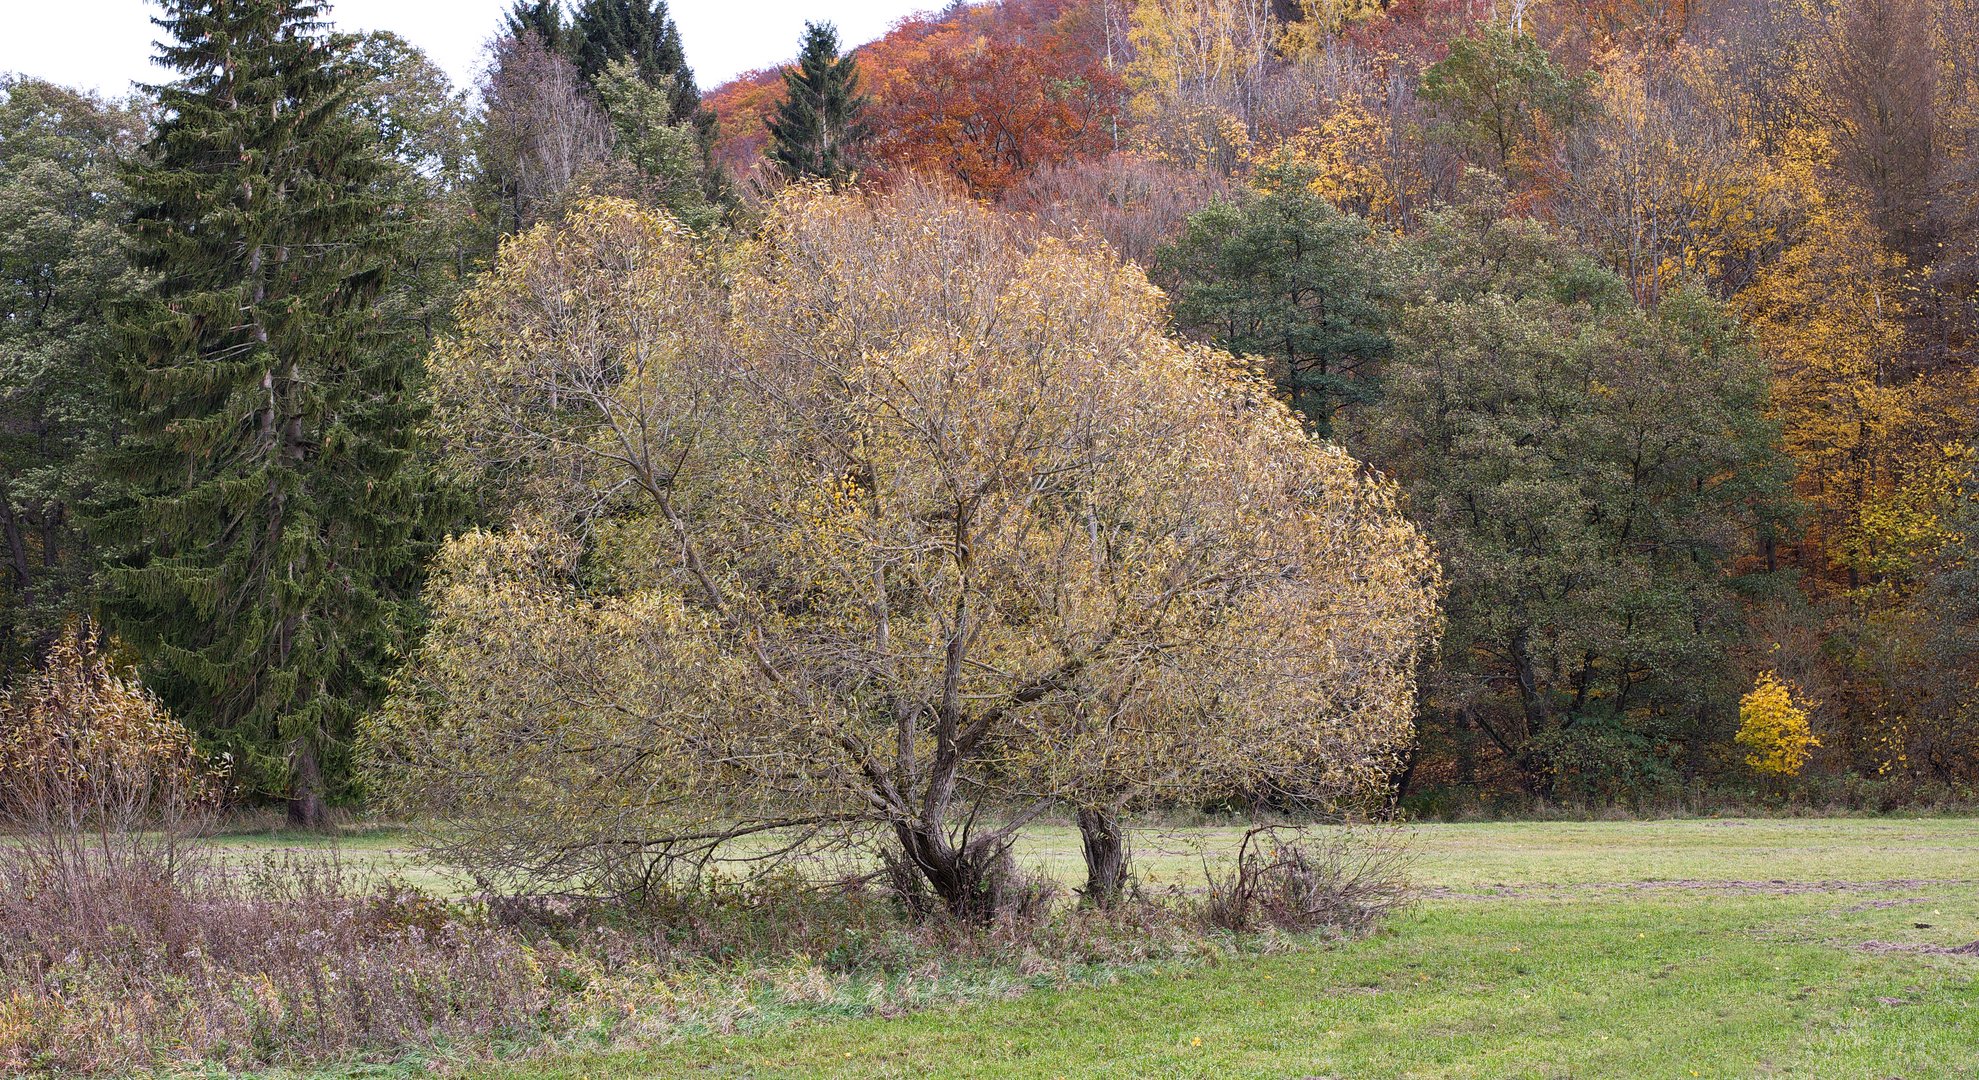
1773, 728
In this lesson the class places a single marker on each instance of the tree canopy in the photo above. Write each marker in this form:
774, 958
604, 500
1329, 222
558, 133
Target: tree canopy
904, 513
62, 260
1592, 473
1280, 273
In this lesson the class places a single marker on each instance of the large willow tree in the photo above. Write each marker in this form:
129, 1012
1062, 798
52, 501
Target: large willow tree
262, 531
885, 517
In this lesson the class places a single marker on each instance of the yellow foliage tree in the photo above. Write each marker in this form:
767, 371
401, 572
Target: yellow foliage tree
1773, 728
1663, 192
1198, 72
879, 516
1356, 161
1320, 22
1860, 424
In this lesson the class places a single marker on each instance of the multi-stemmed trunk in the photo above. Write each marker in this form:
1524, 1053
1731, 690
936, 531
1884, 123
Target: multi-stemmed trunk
972, 881
1105, 844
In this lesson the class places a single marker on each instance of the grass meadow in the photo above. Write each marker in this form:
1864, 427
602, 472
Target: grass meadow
1824, 948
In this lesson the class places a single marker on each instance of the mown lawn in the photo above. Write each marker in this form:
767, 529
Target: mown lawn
1795, 948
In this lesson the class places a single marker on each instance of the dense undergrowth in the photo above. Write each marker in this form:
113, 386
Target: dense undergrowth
296, 958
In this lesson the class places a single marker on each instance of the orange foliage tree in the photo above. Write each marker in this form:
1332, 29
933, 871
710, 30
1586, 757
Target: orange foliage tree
988, 95
990, 109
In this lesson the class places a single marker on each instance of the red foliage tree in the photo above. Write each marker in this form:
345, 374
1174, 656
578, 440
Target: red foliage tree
987, 95
741, 106
990, 111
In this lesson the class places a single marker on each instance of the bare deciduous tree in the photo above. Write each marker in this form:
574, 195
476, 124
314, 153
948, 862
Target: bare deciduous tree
1134, 203
1882, 82
542, 129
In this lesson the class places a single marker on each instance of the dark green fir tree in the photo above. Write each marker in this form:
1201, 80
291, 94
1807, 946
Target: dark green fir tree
544, 18
264, 534
641, 33
819, 124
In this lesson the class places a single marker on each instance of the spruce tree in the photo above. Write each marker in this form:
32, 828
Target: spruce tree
642, 33
819, 122
264, 536
544, 18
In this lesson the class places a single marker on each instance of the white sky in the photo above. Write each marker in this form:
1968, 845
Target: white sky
106, 44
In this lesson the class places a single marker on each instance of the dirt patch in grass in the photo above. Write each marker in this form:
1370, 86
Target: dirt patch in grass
1802, 888
1732, 886
1883, 905
1505, 892
1917, 948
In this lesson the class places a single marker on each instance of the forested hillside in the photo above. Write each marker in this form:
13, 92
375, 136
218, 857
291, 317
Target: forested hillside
1619, 357
1661, 313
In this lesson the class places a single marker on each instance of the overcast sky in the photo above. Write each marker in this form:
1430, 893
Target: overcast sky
106, 44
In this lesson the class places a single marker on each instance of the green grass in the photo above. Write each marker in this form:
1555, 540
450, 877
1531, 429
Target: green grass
1453, 857
1546, 950
1712, 987
1470, 856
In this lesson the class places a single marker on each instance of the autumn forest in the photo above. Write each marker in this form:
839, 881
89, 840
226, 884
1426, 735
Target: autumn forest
1660, 314
754, 547
1658, 317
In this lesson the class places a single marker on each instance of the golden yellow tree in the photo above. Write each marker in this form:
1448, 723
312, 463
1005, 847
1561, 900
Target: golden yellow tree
1828, 315
1197, 75
1773, 728
885, 515
1356, 160
1665, 191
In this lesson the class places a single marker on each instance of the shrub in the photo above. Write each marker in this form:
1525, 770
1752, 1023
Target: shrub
1288, 878
101, 784
83, 749
288, 961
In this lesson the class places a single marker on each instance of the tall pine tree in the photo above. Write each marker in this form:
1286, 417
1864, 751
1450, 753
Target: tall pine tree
819, 122
544, 18
265, 535
641, 33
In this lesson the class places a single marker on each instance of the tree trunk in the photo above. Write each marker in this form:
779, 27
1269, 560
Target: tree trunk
307, 809
970, 882
1398, 786
1538, 713
16, 547
1532, 697
1105, 844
